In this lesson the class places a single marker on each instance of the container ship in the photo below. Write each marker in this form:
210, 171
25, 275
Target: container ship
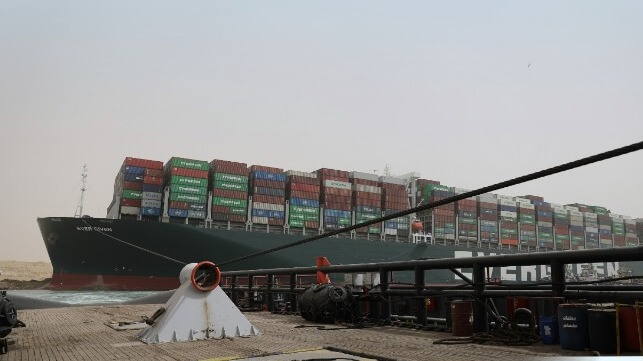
186, 210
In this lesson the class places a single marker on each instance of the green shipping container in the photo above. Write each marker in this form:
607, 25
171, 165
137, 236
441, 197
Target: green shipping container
562, 237
577, 239
129, 194
297, 217
296, 222
305, 210
238, 210
231, 186
230, 202
374, 230
468, 220
189, 163
344, 221
231, 178
189, 181
177, 188
192, 198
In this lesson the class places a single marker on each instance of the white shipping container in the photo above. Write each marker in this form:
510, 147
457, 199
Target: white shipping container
506, 198
130, 210
461, 190
571, 208
508, 214
337, 184
150, 203
301, 174
522, 200
576, 223
153, 196
366, 176
369, 189
575, 213
591, 229
576, 219
558, 207
615, 216
486, 199
526, 206
268, 206
260, 220
544, 224
510, 203
629, 221
392, 180
389, 231
605, 227
590, 215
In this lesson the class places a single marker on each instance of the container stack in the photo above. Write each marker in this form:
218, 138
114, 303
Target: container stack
631, 238
604, 227
467, 212
268, 190
526, 223
561, 227
639, 228
229, 191
508, 220
138, 185
576, 231
544, 220
187, 180
302, 192
336, 198
618, 230
488, 211
395, 199
367, 200
591, 229
422, 186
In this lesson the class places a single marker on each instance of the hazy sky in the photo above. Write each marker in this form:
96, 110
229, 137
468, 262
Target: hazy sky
468, 93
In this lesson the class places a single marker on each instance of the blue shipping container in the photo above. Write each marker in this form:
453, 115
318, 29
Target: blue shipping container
175, 212
155, 188
304, 202
279, 177
150, 211
133, 170
133, 177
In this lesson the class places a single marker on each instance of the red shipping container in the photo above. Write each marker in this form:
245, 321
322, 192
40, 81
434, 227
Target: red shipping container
466, 202
332, 172
275, 221
488, 217
366, 195
179, 205
255, 167
229, 194
470, 209
509, 242
268, 183
268, 199
305, 187
303, 180
228, 167
535, 198
338, 199
561, 229
154, 172
143, 163
152, 180
365, 182
130, 202
189, 172
487, 205
340, 206
442, 212
133, 186
221, 209
304, 195
367, 202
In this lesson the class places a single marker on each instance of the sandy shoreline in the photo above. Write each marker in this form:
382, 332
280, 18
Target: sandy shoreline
24, 275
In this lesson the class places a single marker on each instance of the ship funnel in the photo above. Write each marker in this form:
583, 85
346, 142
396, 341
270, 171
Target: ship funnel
198, 310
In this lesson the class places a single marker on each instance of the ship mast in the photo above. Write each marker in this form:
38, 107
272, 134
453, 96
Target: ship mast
83, 188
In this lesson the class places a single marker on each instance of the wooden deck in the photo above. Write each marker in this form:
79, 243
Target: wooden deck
81, 333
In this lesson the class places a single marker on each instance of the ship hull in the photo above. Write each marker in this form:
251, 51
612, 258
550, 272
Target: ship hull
94, 253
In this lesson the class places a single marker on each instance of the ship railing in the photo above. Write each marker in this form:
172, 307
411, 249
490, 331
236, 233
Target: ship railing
262, 287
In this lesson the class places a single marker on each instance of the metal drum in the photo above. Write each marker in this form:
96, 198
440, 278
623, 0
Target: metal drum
462, 318
548, 330
628, 329
572, 326
602, 330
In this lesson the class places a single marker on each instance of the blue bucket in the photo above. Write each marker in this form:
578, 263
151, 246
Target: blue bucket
573, 326
548, 330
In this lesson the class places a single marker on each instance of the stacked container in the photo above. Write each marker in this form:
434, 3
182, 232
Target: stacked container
443, 217
526, 223
336, 198
229, 182
631, 238
302, 192
367, 200
187, 180
544, 221
639, 228
590, 221
139, 185
561, 227
618, 230
467, 212
395, 199
508, 220
604, 229
488, 212
268, 190
576, 231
